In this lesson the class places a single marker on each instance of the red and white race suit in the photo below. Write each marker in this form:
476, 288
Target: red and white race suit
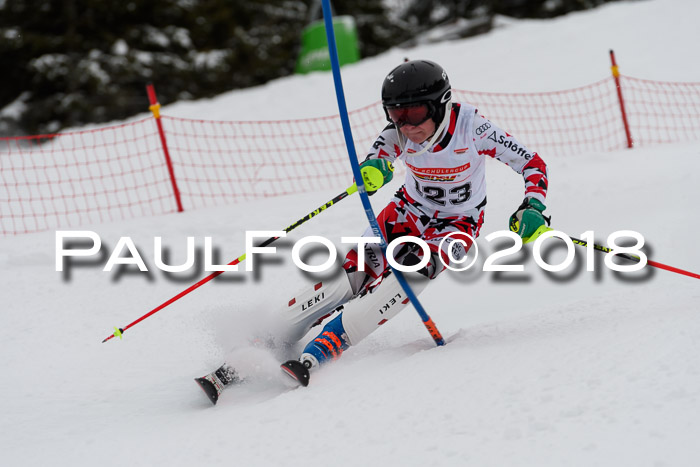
445, 188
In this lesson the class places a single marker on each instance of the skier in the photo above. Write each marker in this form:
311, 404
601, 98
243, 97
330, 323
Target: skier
443, 145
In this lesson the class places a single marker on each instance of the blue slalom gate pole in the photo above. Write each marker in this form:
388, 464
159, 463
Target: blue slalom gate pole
347, 132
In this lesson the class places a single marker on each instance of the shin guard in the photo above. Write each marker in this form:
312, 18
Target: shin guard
312, 304
363, 316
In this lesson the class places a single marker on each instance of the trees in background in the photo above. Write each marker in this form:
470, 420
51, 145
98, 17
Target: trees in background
71, 62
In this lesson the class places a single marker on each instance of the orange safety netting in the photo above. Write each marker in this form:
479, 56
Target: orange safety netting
114, 173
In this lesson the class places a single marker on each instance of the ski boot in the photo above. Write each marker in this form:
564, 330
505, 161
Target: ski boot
328, 345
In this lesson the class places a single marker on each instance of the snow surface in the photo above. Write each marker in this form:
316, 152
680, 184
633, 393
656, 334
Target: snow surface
576, 368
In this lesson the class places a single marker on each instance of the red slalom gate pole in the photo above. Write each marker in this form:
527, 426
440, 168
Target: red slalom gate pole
616, 75
155, 108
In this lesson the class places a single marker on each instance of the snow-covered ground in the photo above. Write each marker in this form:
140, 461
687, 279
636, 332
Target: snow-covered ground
576, 368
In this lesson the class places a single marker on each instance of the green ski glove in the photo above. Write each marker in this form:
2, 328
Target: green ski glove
376, 173
528, 221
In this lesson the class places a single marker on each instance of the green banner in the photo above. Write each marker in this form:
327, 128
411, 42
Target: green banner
314, 46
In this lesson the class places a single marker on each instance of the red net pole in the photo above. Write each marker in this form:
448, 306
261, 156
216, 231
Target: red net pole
155, 108
616, 75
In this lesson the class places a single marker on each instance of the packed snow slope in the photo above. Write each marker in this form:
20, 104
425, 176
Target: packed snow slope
575, 368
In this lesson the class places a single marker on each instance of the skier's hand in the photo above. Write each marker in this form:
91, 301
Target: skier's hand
376, 173
528, 221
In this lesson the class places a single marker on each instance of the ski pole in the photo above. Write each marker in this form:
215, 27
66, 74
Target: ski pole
119, 331
637, 258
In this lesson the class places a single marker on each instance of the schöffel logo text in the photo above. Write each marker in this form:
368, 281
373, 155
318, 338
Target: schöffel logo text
509, 144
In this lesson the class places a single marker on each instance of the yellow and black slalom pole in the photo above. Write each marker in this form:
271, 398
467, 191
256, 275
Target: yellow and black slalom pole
119, 331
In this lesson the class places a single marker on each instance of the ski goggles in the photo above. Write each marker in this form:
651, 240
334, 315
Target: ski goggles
410, 115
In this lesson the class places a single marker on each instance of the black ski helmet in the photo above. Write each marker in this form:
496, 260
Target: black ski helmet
417, 82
